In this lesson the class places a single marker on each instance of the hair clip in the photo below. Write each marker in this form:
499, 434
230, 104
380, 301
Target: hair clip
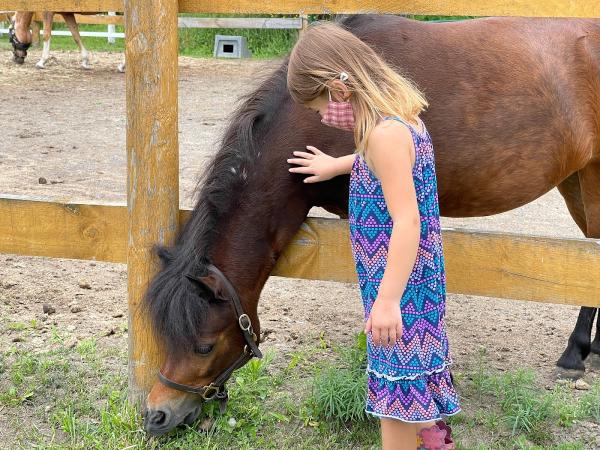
343, 76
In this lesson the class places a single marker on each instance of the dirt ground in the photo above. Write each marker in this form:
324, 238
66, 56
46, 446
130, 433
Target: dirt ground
67, 125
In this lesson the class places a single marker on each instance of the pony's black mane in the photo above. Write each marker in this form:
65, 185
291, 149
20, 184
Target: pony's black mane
176, 308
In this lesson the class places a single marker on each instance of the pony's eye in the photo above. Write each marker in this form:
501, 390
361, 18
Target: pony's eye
203, 349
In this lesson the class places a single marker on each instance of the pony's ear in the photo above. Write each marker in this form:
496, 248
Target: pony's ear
164, 254
211, 282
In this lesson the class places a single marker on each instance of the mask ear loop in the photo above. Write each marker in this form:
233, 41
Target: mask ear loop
343, 77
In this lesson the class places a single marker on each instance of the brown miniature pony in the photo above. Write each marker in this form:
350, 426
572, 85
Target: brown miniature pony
20, 37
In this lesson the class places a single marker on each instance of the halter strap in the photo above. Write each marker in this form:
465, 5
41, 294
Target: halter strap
16, 43
243, 318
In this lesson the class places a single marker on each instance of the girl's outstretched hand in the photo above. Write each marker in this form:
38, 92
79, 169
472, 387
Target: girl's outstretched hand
319, 165
385, 322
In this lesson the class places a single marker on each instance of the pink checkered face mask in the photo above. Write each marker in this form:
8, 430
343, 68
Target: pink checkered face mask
339, 114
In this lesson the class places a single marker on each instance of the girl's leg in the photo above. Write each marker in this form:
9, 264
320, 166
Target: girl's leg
398, 435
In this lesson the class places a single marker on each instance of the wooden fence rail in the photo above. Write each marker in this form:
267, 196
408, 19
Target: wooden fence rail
479, 263
529, 8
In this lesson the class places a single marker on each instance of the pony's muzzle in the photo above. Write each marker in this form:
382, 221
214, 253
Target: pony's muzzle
19, 59
160, 421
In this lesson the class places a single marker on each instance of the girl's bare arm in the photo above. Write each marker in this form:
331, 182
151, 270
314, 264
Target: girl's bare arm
390, 151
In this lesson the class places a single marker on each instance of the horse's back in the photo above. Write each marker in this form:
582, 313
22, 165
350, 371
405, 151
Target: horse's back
507, 96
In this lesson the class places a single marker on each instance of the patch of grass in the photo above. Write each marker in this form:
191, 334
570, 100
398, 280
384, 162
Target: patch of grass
76, 398
589, 404
16, 326
339, 394
513, 409
339, 388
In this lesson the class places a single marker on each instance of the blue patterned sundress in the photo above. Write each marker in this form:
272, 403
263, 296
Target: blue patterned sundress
411, 380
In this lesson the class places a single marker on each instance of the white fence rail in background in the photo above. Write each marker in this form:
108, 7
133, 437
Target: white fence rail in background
267, 23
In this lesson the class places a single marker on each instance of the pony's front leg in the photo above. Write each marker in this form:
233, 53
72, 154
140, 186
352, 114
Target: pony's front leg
74, 29
121, 67
48, 16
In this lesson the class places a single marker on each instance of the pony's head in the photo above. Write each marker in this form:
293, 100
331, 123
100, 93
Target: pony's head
206, 333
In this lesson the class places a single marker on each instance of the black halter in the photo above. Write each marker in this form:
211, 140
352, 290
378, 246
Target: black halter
16, 44
217, 390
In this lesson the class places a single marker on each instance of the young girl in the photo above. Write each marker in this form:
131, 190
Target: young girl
394, 228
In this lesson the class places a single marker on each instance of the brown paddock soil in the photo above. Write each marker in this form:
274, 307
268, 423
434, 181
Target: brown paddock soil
67, 125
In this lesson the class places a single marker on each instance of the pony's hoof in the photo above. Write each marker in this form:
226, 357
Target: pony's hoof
121, 68
594, 361
86, 66
569, 374
40, 65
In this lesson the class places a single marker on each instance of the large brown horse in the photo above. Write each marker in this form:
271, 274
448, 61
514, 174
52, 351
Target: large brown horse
515, 112
20, 37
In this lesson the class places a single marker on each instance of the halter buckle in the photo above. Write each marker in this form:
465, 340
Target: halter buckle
214, 390
244, 318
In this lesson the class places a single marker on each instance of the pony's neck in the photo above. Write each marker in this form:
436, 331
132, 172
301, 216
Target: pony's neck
250, 244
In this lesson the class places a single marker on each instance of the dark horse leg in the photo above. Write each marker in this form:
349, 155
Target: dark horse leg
582, 196
595, 349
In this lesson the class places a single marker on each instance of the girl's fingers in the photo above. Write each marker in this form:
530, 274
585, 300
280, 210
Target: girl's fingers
399, 331
304, 155
368, 325
312, 179
299, 161
392, 335
307, 170
315, 150
376, 333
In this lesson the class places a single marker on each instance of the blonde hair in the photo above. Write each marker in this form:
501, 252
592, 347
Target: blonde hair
324, 51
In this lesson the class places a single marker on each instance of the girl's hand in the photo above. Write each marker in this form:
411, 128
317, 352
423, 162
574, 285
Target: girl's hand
385, 322
318, 164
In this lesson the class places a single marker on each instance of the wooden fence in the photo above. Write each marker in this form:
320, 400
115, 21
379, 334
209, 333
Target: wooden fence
552, 270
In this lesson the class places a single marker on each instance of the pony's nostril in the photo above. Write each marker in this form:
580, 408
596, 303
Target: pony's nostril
158, 418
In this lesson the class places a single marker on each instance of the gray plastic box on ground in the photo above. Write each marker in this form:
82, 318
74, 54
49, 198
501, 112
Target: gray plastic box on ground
231, 47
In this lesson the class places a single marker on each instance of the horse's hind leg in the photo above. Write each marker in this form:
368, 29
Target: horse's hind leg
582, 197
48, 16
595, 349
74, 28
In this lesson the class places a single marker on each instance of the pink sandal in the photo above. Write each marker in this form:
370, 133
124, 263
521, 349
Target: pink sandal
436, 437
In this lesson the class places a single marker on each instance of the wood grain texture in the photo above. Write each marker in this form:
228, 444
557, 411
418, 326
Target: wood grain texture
37, 227
152, 166
529, 8
488, 264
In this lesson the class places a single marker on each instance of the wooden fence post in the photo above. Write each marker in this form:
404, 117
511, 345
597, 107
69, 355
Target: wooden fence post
152, 166
304, 18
